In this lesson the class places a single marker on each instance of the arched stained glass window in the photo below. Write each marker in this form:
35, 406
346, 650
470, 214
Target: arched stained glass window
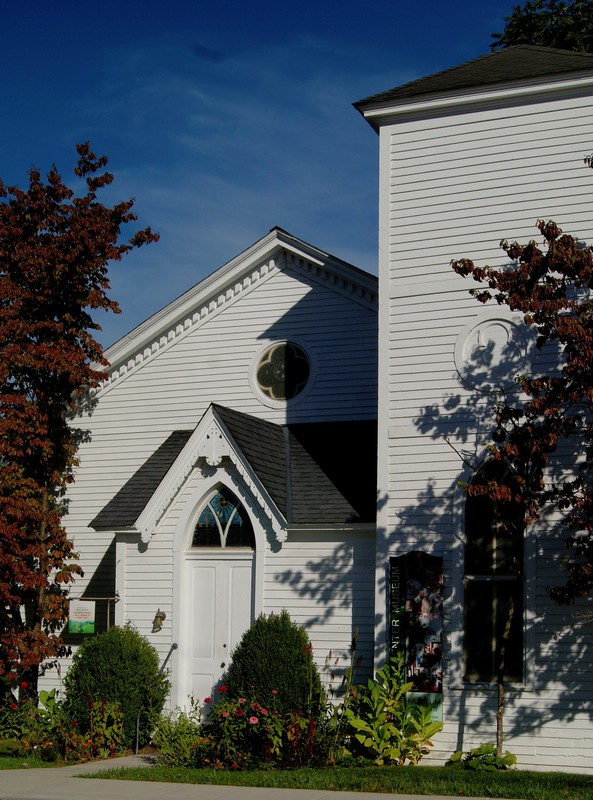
493, 581
223, 522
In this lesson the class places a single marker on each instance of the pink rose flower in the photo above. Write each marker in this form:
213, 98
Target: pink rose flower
253, 720
274, 691
242, 700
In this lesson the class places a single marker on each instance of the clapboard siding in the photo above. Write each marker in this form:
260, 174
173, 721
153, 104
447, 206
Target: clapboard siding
452, 186
326, 581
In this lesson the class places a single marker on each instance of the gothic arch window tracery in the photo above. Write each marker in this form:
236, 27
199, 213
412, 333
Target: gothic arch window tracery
223, 522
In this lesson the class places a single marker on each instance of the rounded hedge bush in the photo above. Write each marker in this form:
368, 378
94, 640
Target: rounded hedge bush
273, 662
122, 667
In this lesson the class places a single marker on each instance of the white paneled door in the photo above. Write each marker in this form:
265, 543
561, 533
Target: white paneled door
218, 611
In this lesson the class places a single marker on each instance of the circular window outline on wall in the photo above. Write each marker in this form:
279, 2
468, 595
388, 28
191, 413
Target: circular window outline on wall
263, 357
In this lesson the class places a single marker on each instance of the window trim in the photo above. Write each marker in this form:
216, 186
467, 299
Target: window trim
271, 402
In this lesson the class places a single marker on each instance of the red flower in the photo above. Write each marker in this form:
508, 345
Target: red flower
13, 706
222, 689
274, 691
207, 699
239, 712
24, 685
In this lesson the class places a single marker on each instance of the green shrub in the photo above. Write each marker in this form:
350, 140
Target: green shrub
484, 757
10, 747
119, 666
273, 663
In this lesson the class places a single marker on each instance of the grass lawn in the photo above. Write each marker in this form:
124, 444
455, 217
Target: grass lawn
514, 785
16, 762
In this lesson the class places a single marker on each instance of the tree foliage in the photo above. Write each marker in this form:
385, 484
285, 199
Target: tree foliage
549, 23
54, 252
551, 287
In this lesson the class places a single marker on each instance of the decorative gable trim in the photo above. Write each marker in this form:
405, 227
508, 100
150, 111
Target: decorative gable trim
211, 306
208, 447
271, 254
363, 294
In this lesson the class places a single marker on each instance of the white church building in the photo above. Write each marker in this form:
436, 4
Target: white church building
291, 432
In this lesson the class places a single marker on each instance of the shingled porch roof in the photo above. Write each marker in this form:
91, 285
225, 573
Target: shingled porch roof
321, 473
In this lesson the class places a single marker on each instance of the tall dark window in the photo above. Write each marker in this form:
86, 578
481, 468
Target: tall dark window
223, 522
493, 581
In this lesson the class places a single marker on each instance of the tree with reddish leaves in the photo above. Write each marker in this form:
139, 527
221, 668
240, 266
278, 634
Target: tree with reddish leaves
55, 248
547, 440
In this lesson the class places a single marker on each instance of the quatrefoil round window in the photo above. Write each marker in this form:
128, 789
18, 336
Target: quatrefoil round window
283, 371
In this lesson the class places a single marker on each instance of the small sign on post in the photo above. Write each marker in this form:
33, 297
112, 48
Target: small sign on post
82, 616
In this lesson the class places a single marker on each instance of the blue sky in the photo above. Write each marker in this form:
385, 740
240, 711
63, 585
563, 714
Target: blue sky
222, 118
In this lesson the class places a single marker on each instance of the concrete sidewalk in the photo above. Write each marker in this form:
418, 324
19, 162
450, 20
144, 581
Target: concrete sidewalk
62, 783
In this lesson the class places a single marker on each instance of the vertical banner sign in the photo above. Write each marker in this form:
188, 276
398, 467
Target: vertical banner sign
416, 623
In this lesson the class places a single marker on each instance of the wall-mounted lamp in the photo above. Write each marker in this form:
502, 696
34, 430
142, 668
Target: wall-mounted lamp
157, 623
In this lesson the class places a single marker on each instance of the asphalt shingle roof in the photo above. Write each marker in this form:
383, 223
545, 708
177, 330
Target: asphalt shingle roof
511, 64
123, 510
316, 473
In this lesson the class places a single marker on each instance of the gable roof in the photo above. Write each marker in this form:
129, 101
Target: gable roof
306, 469
277, 250
511, 65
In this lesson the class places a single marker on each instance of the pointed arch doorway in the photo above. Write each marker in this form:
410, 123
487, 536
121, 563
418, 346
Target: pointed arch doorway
219, 590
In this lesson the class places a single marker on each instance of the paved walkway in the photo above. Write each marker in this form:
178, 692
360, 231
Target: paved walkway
62, 783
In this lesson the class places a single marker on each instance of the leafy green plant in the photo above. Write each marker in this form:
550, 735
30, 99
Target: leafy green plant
336, 712
243, 733
47, 732
121, 667
179, 737
9, 747
275, 654
13, 718
386, 728
485, 757
239, 733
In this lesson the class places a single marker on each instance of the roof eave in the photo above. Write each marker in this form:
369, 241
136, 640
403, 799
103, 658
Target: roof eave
379, 113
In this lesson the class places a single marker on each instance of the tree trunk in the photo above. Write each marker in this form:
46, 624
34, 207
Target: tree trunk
500, 699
